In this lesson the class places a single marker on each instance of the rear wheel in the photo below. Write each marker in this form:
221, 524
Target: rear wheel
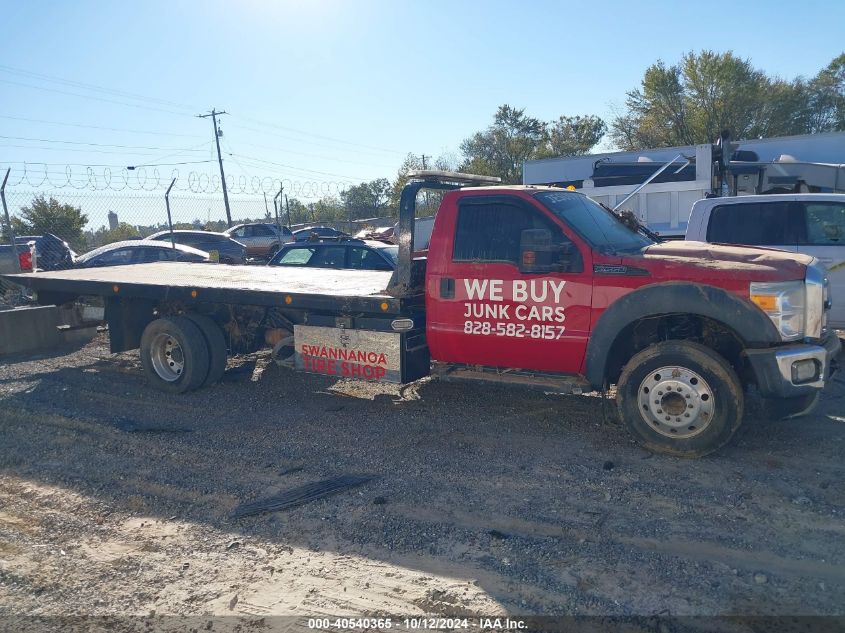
217, 349
174, 354
680, 398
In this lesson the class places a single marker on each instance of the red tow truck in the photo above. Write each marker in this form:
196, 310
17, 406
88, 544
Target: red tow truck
530, 285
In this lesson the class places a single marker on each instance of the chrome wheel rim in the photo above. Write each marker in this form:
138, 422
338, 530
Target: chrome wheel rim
167, 357
676, 402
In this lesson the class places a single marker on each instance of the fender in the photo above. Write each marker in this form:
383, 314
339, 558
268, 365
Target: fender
675, 297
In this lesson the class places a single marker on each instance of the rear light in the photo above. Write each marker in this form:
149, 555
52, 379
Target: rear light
25, 260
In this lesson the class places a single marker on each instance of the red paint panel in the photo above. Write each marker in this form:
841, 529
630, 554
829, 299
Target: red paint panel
500, 316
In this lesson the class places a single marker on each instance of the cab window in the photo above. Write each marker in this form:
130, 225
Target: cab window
825, 223
760, 224
490, 230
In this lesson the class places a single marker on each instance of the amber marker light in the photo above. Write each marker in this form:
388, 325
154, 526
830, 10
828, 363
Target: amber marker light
768, 303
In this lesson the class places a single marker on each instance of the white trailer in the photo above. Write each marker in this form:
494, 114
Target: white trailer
814, 162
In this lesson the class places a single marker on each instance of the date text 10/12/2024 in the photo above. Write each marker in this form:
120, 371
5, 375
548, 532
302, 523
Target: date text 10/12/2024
487, 314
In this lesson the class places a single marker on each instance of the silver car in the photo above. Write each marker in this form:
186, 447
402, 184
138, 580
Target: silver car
260, 238
808, 223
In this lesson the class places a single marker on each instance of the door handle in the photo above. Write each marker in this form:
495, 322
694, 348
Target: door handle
447, 288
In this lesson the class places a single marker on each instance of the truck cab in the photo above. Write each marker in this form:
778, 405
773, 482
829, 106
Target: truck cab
542, 281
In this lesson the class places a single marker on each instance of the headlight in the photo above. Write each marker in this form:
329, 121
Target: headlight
784, 303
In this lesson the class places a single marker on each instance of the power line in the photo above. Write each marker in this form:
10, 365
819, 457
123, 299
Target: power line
323, 173
96, 127
328, 138
321, 157
190, 149
76, 94
138, 97
91, 87
79, 149
237, 162
134, 96
36, 164
47, 140
309, 142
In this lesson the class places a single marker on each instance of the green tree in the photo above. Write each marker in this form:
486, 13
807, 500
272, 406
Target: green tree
329, 209
367, 200
104, 235
50, 216
501, 149
122, 231
299, 213
572, 136
514, 137
427, 201
827, 97
692, 101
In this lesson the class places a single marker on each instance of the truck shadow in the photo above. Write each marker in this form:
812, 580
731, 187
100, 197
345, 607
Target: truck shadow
483, 501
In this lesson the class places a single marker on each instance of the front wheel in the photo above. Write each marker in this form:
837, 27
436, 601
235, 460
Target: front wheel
680, 398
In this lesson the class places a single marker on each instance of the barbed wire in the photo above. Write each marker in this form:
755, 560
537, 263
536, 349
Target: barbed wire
46, 176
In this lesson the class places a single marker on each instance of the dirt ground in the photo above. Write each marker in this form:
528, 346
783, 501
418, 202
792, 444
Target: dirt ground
116, 499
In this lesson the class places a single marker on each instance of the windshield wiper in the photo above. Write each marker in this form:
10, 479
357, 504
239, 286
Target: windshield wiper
630, 221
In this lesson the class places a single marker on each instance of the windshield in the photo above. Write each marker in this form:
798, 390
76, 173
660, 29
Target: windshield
594, 223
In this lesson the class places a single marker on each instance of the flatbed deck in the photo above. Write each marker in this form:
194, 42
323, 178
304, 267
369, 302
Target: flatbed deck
306, 288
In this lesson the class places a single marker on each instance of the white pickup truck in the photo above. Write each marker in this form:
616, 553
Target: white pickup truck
809, 223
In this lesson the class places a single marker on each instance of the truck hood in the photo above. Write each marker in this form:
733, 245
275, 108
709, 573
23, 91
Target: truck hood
762, 264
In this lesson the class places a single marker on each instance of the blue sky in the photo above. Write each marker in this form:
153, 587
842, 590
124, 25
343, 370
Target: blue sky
341, 90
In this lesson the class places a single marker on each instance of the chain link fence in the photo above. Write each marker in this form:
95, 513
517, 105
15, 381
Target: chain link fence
56, 214
90, 210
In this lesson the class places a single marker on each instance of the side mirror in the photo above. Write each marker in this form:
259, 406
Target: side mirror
539, 254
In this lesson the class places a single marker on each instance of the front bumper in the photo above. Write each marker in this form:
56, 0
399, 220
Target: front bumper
773, 367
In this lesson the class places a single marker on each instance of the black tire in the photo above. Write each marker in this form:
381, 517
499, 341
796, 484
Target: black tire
786, 408
192, 351
693, 408
217, 349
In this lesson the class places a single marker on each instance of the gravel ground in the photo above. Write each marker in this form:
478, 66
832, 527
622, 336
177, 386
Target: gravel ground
116, 499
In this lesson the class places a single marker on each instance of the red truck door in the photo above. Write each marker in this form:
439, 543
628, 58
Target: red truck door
507, 285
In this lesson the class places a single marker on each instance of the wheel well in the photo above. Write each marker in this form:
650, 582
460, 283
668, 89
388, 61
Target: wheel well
641, 333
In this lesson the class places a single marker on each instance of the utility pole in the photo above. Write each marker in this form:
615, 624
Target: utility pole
213, 114
423, 156
287, 206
